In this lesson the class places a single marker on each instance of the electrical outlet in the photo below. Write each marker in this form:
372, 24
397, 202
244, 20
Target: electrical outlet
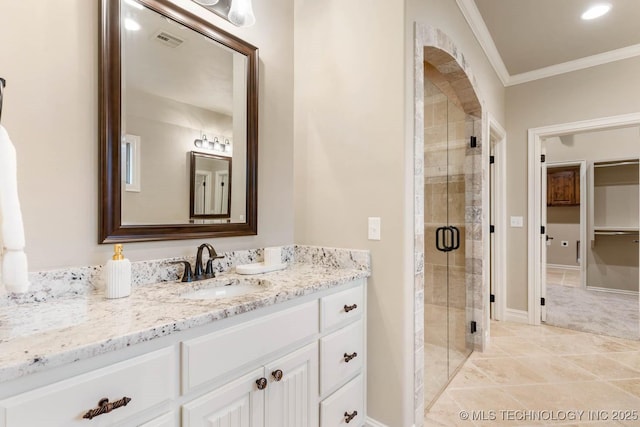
374, 228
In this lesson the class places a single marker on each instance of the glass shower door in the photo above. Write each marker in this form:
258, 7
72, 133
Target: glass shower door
446, 327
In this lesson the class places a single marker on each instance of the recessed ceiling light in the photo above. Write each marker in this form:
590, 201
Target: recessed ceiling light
596, 11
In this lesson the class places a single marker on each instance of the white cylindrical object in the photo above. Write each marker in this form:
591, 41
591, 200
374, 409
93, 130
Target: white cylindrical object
118, 278
273, 255
14, 271
118, 272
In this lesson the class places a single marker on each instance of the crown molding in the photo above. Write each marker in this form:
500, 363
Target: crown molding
479, 28
578, 64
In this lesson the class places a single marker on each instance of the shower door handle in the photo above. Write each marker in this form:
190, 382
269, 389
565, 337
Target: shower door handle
455, 237
441, 245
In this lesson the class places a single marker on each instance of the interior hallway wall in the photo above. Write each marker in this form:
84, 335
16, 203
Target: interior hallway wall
51, 112
602, 91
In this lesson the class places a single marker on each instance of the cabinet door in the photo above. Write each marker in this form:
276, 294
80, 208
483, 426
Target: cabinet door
236, 404
292, 394
561, 188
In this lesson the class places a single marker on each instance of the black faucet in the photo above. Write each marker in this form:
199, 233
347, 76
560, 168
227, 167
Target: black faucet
200, 272
207, 272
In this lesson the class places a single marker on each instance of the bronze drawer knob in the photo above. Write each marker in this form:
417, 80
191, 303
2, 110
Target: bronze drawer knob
261, 383
277, 374
348, 357
104, 407
349, 416
348, 308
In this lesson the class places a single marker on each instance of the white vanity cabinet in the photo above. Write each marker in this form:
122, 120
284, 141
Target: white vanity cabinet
297, 364
281, 394
146, 381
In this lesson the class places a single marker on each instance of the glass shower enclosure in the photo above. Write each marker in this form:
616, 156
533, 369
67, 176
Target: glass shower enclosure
446, 180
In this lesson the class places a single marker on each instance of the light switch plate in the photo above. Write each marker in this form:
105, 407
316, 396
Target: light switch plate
374, 228
517, 221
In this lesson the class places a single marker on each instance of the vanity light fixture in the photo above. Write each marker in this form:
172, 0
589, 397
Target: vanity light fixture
213, 144
241, 13
596, 11
238, 12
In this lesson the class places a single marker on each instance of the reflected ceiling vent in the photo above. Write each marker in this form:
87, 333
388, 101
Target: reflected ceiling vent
168, 39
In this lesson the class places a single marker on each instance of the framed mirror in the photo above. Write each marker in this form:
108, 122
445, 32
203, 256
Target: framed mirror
178, 103
211, 193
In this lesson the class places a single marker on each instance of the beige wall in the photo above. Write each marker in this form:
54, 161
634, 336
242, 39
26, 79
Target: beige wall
349, 117
51, 112
602, 91
563, 223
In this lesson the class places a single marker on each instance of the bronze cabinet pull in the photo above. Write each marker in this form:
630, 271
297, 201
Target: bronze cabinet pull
277, 374
349, 416
348, 308
348, 357
262, 383
104, 407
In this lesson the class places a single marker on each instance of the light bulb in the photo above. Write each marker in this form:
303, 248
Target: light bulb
206, 2
241, 13
596, 11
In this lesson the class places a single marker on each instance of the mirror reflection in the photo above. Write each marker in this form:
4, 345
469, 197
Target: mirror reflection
181, 91
210, 186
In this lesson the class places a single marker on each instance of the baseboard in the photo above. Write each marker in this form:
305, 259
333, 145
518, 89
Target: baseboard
565, 267
517, 316
611, 291
370, 422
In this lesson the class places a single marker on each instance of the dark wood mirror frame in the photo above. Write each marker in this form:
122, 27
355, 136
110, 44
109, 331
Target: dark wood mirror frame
111, 228
192, 188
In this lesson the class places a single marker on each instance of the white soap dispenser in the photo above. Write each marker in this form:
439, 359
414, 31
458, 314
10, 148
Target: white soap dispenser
118, 275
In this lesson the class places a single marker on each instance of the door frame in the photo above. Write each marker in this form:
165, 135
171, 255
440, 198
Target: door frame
535, 137
498, 252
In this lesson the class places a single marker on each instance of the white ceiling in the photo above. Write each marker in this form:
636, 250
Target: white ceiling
531, 39
198, 72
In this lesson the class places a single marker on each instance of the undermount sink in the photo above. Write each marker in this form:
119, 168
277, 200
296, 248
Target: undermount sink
231, 290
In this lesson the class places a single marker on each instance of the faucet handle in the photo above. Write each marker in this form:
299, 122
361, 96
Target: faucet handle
208, 272
187, 276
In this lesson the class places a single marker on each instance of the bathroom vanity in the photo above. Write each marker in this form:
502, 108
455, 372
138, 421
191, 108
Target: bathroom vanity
289, 351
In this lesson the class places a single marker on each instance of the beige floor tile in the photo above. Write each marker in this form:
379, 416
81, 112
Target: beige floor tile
604, 367
556, 369
580, 344
628, 358
543, 368
470, 376
507, 370
519, 346
630, 386
445, 412
487, 404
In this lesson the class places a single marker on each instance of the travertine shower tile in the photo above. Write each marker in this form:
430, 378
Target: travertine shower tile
488, 401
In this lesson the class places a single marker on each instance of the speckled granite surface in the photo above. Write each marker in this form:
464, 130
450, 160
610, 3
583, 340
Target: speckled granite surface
68, 318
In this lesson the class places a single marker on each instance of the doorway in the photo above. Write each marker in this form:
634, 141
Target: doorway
588, 258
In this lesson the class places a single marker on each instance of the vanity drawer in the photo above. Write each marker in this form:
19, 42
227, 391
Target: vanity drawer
341, 356
211, 356
341, 307
345, 406
166, 420
147, 380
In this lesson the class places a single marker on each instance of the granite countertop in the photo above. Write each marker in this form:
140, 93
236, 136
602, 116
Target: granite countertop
39, 335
